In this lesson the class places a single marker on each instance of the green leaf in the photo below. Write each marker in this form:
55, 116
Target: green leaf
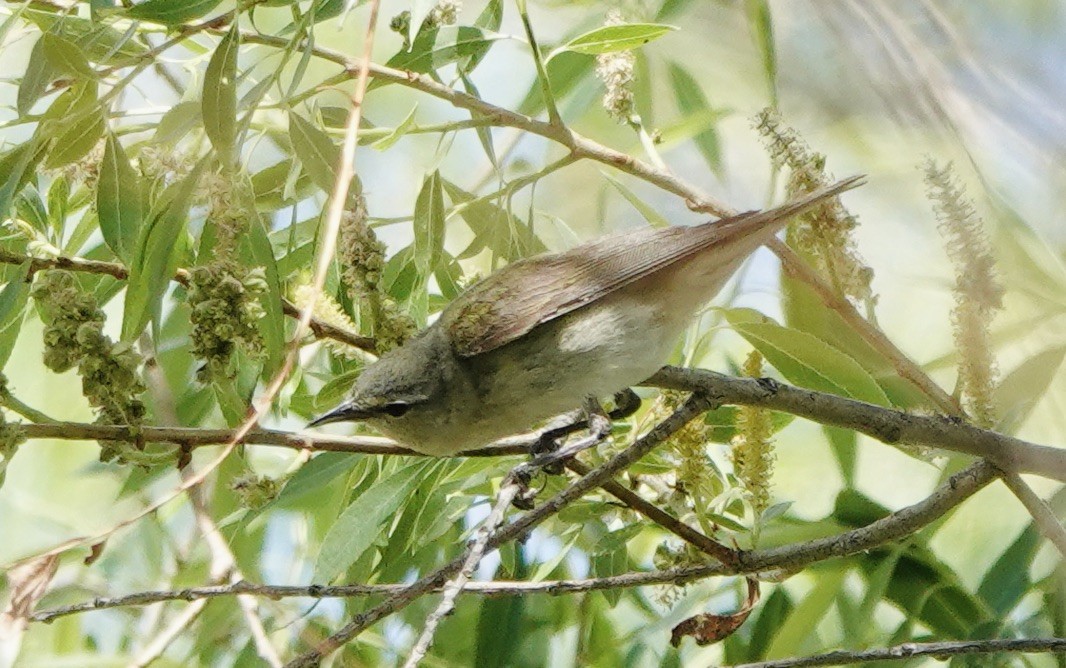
566, 72
119, 200
178, 122
335, 390
772, 614
39, 73
315, 150
927, 589
429, 224
490, 19
806, 360
397, 133
316, 474
77, 140
494, 227
156, 255
654, 218
762, 28
171, 12
500, 622
800, 626
220, 94
58, 198
66, 56
100, 42
608, 39
83, 231
13, 299
1022, 388
16, 166
1007, 581
281, 184
361, 522
805, 311
433, 49
272, 324
692, 102
74, 123
30, 207
844, 443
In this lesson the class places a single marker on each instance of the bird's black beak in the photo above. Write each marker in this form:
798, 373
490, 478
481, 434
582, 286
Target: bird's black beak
344, 412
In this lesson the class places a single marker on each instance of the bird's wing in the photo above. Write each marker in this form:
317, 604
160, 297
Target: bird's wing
527, 293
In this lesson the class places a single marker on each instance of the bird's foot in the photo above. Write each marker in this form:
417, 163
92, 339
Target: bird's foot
549, 453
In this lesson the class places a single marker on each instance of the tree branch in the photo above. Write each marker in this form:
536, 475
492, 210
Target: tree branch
901, 523
912, 649
884, 424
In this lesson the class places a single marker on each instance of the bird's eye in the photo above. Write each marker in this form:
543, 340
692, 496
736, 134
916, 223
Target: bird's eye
396, 409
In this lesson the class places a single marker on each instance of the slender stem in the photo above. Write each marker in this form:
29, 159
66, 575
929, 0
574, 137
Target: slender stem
542, 73
911, 650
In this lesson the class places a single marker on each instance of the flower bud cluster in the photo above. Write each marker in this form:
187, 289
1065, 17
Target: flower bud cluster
254, 491
225, 304
162, 164
86, 169
445, 13
615, 70
753, 449
74, 337
224, 296
978, 293
825, 234
12, 435
362, 257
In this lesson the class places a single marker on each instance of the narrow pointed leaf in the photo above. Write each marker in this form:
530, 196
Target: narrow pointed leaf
608, 39
429, 224
360, 524
315, 150
119, 200
805, 360
13, 299
66, 56
171, 12
220, 94
156, 256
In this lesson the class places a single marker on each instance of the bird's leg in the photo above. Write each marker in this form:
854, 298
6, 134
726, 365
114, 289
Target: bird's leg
626, 403
546, 453
599, 426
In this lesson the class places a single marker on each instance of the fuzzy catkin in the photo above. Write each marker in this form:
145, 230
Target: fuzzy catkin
978, 293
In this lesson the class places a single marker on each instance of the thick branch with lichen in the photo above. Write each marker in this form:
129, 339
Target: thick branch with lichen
884, 424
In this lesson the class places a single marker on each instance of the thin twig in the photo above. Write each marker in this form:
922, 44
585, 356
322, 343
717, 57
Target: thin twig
525, 523
664, 519
1043, 516
509, 490
162, 640
914, 649
901, 523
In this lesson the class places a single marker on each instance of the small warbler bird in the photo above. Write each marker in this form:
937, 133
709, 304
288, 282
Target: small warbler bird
543, 334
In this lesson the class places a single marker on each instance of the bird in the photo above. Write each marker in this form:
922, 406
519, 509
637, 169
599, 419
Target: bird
545, 334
